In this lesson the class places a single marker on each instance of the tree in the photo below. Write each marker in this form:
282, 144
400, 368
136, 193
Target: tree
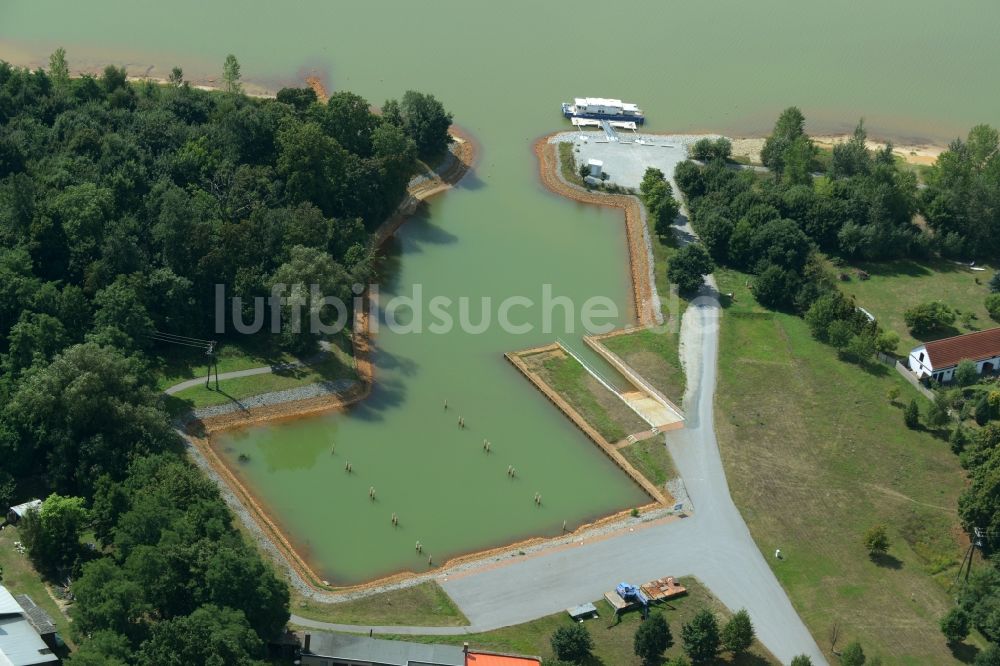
688, 267
652, 639
929, 317
84, 415
993, 305
825, 310
689, 179
852, 655
231, 75
706, 149
52, 533
701, 637
59, 68
209, 635
425, 120
658, 197
776, 287
738, 634
572, 643
788, 152
801, 660
911, 415
176, 77
103, 648
995, 283
679, 660
851, 158
305, 268
955, 625
876, 541
300, 99
348, 119
937, 414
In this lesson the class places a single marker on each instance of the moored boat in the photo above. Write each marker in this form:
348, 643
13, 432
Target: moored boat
601, 108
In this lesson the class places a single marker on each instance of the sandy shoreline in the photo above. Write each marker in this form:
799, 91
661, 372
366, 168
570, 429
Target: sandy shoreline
923, 154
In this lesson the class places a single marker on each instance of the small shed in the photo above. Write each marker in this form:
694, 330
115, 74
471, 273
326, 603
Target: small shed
582, 612
17, 513
596, 167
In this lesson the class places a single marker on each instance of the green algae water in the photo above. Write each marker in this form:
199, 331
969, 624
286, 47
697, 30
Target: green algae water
915, 69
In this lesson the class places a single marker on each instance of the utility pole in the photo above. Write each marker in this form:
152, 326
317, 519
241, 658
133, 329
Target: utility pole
210, 346
977, 542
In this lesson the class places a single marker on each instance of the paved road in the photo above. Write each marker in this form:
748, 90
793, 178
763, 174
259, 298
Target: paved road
713, 544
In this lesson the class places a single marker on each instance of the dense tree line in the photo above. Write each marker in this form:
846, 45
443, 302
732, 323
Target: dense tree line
962, 200
121, 206
770, 224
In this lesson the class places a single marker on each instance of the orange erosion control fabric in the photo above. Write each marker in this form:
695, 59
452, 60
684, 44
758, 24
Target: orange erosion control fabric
480, 659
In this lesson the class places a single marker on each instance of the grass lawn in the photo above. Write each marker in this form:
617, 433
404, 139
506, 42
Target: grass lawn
19, 577
815, 454
898, 285
651, 458
425, 604
175, 364
567, 163
653, 354
612, 642
601, 408
333, 366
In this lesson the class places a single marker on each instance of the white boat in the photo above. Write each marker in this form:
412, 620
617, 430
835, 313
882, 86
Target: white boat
601, 108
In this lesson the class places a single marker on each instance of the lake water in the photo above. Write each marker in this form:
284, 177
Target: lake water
915, 69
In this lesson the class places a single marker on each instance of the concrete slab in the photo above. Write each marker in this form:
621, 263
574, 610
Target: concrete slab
626, 161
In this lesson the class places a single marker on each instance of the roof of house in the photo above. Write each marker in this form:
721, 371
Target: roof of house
20, 644
351, 647
488, 659
40, 620
973, 346
22, 509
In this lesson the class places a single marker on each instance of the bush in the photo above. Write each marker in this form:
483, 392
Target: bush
966, 373
989, 657
852, 655
995, 283
993, 305
572, 643
652, 639
802, 660
911, 415
955, 625
929, 317
876, 541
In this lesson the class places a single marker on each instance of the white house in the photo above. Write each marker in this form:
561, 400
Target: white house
938, 360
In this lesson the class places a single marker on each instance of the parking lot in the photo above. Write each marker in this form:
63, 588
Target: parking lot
626, 161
